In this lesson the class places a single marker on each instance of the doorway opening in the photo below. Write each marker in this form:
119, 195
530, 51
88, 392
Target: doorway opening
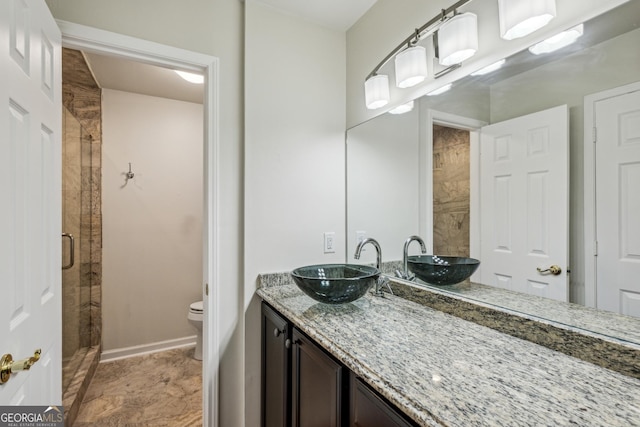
451, 191
91, 40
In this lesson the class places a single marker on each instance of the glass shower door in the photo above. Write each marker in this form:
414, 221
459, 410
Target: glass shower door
76, 321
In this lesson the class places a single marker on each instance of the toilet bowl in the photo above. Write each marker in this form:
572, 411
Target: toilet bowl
195, 318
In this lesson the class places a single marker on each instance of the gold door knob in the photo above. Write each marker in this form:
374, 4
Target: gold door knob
554, 269
8, 366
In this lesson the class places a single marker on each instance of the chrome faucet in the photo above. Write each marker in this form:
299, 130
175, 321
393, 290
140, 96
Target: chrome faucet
382, 280
405, 274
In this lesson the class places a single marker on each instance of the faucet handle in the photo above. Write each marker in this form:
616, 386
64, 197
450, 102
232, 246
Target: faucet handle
387, 283
405, 276
382, 281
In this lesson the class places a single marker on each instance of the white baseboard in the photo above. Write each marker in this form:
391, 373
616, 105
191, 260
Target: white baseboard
139, 350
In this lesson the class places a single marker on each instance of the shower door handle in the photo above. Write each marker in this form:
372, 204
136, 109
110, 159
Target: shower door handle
72, 256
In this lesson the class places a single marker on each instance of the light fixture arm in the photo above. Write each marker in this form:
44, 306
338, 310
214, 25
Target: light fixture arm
425, 30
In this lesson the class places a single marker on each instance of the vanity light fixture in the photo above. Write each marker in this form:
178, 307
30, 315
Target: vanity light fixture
411, 66
376, 91
440, 90
489, 68
401, 109
521, 17
191, 77
458, 39
558, 41
409, 72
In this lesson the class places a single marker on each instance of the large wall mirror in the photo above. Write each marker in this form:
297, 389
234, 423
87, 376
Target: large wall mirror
418, 173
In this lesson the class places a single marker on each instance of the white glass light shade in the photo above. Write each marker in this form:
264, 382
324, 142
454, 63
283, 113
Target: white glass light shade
376, 91
558, 41
458, 39
191, 77
521, 17
401, 109
411, 66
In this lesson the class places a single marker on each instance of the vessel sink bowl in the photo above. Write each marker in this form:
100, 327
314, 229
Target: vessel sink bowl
442, 270
335, 283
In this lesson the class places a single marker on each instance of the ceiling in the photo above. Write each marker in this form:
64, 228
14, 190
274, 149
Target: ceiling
136, 77
339, 15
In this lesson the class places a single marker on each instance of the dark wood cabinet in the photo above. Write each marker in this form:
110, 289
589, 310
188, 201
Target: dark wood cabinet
304, 386
276, 369
317, 391
368, 409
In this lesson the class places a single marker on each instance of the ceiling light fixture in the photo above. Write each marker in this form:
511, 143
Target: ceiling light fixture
401, 109
440, 90
489, 68
519, 18
411, 66
191, 77
376, 91
458, 39
558, 41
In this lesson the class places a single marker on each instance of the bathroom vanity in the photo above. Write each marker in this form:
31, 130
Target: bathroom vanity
303, 382
392, 361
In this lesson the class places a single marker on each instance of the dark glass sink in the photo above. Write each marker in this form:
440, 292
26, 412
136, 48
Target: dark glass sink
442, 270
335, 283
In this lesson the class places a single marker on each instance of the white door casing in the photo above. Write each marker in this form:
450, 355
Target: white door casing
31, 194
98, 41
617, 145
524, 204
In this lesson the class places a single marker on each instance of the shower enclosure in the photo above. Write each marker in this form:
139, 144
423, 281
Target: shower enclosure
80, 326
76, 283
82, 227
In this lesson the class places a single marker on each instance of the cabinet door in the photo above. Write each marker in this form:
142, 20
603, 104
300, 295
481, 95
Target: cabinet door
317, 397
370, 410
276, 369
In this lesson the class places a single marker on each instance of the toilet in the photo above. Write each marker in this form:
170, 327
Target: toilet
195, 318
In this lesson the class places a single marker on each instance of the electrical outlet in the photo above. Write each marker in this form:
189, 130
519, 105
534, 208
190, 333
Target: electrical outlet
329, 242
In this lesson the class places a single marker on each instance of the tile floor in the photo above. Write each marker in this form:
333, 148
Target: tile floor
159, 389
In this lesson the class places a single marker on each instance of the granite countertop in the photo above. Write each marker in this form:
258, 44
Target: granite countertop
443, 370
604, 325
589, 321
622, 356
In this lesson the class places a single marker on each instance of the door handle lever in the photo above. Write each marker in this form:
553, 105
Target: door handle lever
554, 269
8, 366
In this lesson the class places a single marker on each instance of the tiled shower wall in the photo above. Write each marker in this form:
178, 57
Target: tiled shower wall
81, 96
451, 190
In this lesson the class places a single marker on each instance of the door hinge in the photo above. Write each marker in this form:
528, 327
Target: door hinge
595, 248
206, 289
595, 134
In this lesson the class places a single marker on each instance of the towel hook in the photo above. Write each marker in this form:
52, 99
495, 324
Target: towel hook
130, 174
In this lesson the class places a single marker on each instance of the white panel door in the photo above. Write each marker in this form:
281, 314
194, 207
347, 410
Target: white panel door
30, 194
524, 203
618, 203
